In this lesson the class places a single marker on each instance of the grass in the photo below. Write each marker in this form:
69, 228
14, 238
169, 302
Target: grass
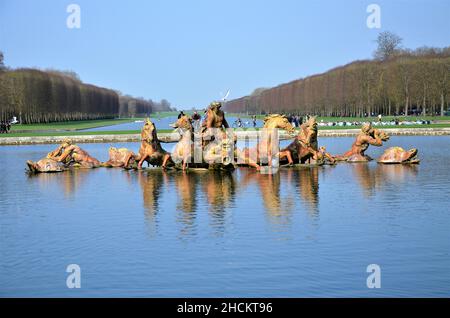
125, 132
70, 125
73, 128
76, 133
445, 125
82, 124
353, 119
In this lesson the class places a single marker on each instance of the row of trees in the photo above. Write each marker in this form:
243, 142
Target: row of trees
397, 81
36, 96
140, 107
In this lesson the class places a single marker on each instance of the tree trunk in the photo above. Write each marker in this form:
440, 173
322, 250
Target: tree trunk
424, 103
406, 105
442, 104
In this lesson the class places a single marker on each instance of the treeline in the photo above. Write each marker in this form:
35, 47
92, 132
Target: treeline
407, 82
140, 107
36, 96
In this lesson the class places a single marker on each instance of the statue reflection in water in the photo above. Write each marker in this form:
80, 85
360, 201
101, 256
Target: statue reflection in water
69, 182
215, 189
220, 190
307, 183
152, 185
372, 178
278, 206
281, 202
186, 187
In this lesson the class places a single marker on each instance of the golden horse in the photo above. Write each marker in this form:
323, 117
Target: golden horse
252, 156
305, 146
213, 153
150, 150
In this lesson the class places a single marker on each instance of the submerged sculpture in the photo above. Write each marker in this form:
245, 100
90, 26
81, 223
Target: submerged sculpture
66, 156
119, 157
215, 148
213, 154
215, 117
304, 149
150, 150
368, 136
184, 148
45, 165
253, 156
396, 155
73, 155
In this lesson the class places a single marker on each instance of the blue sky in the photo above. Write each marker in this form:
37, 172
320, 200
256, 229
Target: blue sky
190, 51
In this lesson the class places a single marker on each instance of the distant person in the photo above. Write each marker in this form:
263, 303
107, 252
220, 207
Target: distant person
181, 114
296, 121
254, 121
379, 118
196, 118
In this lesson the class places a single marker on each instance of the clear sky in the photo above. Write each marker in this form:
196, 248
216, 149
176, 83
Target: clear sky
190, 51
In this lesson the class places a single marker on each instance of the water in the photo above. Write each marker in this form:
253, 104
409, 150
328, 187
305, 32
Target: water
164, 123
309, 232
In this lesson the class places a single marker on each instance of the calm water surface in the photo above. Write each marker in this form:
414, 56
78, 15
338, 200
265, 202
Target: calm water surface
164, 123
308, 232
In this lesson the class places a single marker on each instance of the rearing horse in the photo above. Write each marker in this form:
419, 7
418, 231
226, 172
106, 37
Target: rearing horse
305, 146
150, 150
183, 149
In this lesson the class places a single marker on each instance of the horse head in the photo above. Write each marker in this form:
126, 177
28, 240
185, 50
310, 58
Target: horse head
278, 121
183, 123
148, 132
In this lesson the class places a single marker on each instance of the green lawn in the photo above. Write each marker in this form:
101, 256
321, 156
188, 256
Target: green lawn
353, 119
82, 124
384, 118
124, 132
76, 133
443, 125
71, 125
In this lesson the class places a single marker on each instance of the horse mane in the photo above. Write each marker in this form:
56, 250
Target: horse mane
273, 116
152, 138
189, 121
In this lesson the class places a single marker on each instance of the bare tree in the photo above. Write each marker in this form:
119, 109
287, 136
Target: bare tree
2, 65
388, 44
409, 82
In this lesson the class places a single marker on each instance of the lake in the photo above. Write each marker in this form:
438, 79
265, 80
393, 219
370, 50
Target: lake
165, 122
306, 232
